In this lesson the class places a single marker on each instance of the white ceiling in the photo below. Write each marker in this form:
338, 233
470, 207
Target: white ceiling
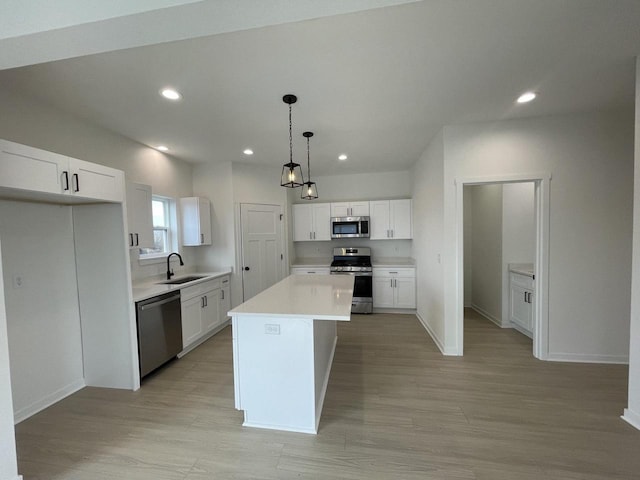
375, 84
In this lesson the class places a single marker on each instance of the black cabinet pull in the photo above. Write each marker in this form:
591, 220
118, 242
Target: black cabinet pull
77, 182
131, 244
137, 241
247, 269
66, 181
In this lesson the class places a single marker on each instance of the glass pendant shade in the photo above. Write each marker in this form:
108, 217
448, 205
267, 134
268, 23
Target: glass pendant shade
291, 172
309, 191
291, 175
309, 188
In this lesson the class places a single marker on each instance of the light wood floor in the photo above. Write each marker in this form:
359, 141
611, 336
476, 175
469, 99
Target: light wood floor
395, 409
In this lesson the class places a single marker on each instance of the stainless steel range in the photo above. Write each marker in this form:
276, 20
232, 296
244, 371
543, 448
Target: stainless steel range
356, 261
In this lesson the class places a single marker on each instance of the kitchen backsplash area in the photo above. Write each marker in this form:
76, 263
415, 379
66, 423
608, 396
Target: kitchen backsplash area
149, 269
379, 248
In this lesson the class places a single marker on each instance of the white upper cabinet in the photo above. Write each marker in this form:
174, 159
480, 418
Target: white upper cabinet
391, 219
34, 170
311, 221
140, 215
350, 209
195, 214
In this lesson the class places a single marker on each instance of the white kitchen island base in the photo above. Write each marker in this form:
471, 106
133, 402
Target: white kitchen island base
283, 351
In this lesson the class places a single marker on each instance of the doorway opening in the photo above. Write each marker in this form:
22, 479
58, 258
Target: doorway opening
499, 252
539, 300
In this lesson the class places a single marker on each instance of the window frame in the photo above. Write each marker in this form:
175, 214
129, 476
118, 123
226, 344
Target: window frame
170, 228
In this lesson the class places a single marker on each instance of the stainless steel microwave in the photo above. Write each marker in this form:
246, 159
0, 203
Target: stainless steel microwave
350, 227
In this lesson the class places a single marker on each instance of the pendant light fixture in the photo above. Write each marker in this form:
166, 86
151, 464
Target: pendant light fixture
291, 172
309, 189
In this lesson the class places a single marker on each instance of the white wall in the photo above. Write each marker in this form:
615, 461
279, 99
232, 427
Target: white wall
43, 319
518, 233
26, 121
8, 461
632, 412
590, 159
486, 249
427, 191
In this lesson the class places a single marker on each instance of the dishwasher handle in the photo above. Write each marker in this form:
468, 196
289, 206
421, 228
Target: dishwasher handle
161, 302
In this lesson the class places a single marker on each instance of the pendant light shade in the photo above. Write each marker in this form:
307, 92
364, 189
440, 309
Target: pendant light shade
309, 188
291, 172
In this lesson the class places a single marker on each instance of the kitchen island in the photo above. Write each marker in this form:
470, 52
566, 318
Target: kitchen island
283, 344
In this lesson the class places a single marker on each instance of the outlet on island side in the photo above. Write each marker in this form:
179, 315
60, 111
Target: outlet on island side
272, 329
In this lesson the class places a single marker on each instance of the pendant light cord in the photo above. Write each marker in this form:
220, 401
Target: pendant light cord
290, 138
308, 162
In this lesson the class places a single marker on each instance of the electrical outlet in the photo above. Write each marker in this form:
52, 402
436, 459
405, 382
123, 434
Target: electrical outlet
272, 329
18, 281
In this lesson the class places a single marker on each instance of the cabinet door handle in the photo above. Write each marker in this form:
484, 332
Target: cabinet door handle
391, 283
221, 294
391, 233
525, 297
310, 236
131, 240
201, 302
66, 181
202, 238
137, 241
77, 182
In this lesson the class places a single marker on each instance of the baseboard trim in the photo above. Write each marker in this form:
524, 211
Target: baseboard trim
47, 401
631, 418
435, 338
587, 358
486, 314
403, 311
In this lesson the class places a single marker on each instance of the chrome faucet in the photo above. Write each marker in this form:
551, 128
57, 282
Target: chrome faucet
169, 271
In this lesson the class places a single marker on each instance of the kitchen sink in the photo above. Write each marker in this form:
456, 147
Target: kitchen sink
180, 281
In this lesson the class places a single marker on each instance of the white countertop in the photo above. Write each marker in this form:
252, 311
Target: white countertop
314, 297
522, 268
152, 288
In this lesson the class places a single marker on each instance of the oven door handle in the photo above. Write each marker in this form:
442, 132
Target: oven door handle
359, 274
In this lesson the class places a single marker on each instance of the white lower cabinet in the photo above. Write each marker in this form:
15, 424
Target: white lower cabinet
521, 302
203, 308
309, 270
394, 287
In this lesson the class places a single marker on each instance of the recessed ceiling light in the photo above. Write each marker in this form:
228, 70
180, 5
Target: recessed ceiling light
248, 151
170, 93
162, 148
526, 97
342, 157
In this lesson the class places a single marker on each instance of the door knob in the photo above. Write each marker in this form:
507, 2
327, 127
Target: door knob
247, 268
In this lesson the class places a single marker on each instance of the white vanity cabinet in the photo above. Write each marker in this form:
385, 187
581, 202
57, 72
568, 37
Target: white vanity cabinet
311, 221
140, 215
390, 219
521, 291
195, 218
350, 209
309, 270
70, 180
394, 287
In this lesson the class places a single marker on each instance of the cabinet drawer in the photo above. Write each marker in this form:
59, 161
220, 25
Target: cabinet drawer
310, 271
199, 289
394, 272
523, 281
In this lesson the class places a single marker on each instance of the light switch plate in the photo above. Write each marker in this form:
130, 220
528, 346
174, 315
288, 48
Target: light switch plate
272, 329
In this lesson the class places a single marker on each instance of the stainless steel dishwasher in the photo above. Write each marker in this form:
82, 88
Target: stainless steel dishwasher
159, 331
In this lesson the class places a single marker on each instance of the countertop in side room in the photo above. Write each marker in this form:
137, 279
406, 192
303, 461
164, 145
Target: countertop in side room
153, 287
522, 268
312, 262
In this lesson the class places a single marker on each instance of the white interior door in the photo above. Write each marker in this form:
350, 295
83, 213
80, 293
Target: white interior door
262, 249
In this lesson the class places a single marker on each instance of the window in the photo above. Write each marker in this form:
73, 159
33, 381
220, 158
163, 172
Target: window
161, 208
